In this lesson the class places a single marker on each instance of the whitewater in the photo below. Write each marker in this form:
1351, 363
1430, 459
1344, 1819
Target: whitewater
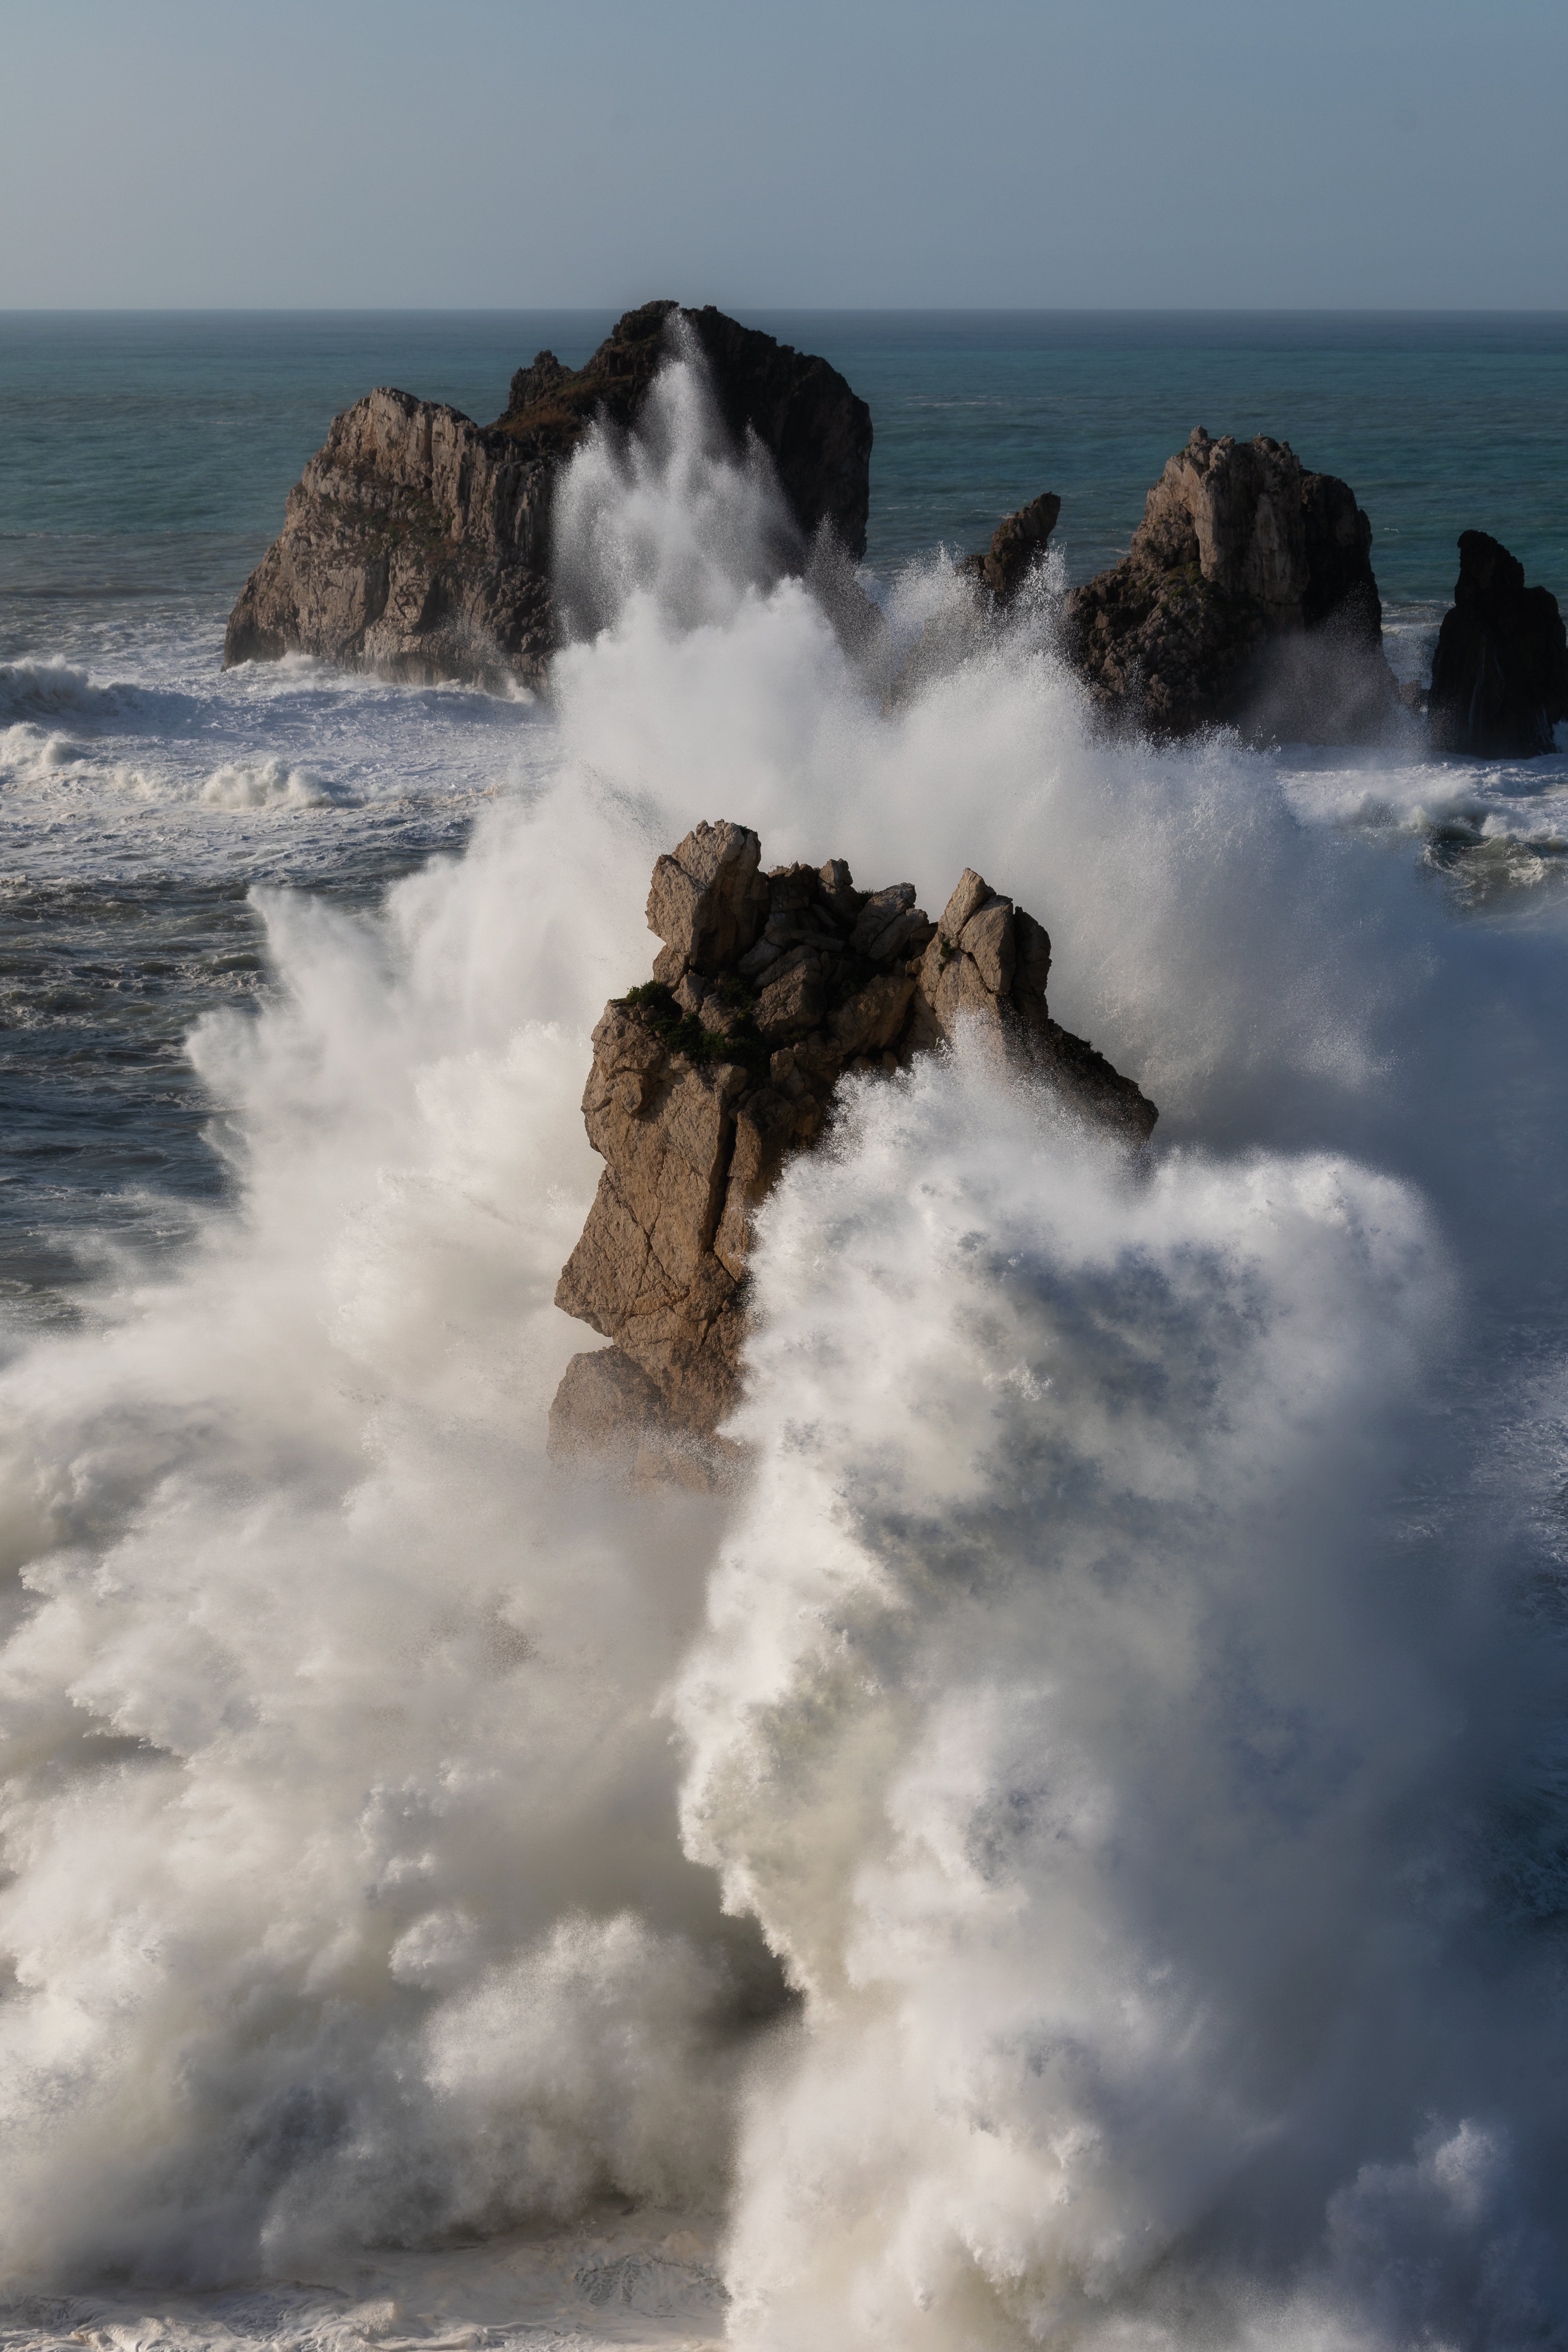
1074, 1849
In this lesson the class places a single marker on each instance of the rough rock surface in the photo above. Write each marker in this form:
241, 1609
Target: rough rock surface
414, 546
416, 543
1500, 676
766, 988
1247, 598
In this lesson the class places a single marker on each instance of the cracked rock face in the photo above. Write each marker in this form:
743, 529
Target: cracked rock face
767, 987
416, 543
1247, 598
414, 546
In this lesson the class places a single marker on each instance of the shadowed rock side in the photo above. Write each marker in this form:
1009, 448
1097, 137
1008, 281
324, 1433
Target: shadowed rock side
1247, 598
996, 574
766, 988
416, 543
1017, 544
1500, 676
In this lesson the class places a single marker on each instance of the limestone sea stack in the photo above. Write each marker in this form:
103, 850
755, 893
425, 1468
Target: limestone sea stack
768, 987
1246, 599
1500, 676
416, 545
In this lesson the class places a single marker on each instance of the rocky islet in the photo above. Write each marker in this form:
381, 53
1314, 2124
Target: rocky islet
1247, 599
767, 988
1499, 674
417, 545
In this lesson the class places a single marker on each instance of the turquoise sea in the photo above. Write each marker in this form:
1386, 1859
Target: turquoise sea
147, 454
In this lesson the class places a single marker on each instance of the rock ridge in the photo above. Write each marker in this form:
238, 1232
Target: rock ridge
416, 543
766, 988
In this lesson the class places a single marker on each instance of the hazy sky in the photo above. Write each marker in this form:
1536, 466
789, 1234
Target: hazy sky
1390, 152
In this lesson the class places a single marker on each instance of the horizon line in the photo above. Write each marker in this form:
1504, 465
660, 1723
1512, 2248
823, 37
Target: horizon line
835, 310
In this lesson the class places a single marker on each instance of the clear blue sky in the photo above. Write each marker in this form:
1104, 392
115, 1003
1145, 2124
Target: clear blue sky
873, 152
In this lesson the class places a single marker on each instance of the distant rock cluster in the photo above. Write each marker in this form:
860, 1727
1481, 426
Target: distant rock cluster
1247, 599
417, 545
768, 987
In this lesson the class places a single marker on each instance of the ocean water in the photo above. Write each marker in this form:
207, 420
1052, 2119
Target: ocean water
1074, 1850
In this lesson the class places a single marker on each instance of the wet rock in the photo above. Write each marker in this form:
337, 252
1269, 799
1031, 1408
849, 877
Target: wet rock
645, 1272
988, 965
794, 1002
1500, 676
871, 1020
531, 386
416, 543
802, 412
1247, 598
988, 938
602, 1398
767, 989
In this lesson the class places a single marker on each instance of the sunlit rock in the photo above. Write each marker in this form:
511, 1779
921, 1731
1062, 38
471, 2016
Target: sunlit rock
416, 545
767, 990
1246, 599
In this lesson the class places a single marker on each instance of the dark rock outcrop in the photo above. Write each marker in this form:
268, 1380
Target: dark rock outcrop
416, 545
1018, 541
1247, 598
817, 433
995, 574
1500, 676
766, 988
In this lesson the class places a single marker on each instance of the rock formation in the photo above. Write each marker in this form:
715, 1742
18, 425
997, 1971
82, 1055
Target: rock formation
962, 626
766, 988
1016, 544
1247, 598
1500, 676
416, 545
